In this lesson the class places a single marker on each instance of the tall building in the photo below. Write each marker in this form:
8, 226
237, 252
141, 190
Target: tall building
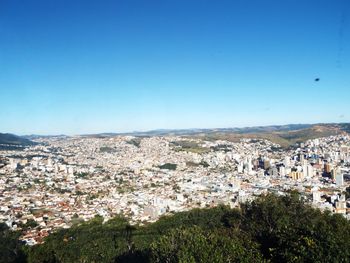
267, 164
282, 171
339, 178
304, 166
309, 171
334, 173
296, 175
286, 161
240, 167
328, 168
256, 164
249, 166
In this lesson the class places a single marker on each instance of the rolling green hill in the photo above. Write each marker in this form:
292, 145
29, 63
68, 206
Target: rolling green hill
11, 139
284, 137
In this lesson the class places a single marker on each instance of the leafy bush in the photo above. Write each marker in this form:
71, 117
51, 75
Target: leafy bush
196, 245
269, 229
11, 249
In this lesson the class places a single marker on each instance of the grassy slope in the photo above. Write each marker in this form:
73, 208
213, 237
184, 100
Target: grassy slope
283, 138
7, 138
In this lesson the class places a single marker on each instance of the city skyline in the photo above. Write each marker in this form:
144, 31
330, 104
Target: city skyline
81, 67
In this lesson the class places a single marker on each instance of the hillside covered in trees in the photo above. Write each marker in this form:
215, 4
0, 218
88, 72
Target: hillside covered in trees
269, 229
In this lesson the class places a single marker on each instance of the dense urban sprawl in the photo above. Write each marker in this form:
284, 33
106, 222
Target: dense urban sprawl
64, 180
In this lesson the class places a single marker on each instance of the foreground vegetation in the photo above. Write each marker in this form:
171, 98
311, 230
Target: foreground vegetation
269, 229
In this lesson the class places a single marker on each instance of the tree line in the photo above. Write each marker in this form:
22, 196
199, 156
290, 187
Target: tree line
269, 229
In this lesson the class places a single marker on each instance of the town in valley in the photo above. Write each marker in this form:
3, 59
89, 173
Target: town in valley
60, 181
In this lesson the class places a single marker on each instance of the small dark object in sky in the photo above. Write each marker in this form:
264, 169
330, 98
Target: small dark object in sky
317, 79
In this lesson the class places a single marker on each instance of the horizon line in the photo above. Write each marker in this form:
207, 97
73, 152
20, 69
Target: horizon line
172, 129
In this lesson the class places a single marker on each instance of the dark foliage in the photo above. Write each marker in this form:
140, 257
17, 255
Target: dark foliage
136, 142
11, 249
168, 166
269, 229
11, 139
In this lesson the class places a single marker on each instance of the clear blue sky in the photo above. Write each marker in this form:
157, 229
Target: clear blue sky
112, 66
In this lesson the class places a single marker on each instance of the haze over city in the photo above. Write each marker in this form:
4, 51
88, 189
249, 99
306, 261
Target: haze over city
76, 67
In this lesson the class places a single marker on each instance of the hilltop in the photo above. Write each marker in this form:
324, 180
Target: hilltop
10, 141
284, 135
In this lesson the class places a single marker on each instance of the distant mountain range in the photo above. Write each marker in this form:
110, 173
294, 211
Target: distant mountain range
285, 135
160, 132
244, 130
